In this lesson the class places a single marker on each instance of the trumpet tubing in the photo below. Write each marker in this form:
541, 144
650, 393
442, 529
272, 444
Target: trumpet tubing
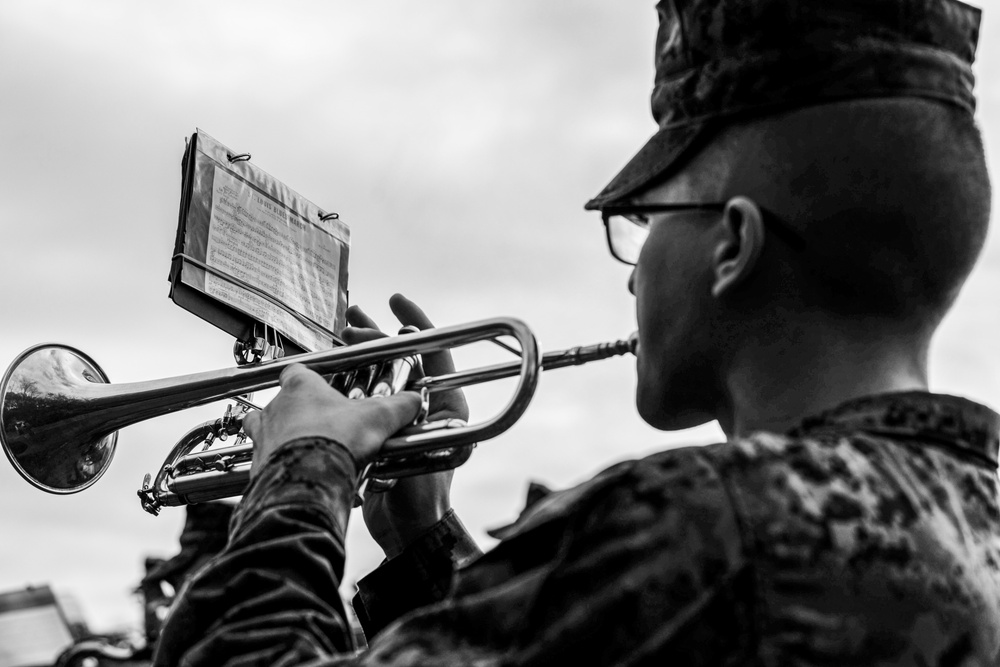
59, 415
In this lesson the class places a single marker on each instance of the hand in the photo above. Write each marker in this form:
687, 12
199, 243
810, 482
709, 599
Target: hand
307, 406
398, 516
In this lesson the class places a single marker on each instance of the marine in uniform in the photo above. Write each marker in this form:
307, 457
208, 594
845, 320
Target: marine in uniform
803, 218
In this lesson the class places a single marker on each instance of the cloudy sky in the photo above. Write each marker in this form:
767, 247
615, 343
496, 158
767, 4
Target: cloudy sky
457, 139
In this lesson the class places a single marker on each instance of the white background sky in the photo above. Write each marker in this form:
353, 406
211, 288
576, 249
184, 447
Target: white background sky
459, 140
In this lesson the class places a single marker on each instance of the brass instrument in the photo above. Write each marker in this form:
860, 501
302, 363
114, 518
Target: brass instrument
59, 416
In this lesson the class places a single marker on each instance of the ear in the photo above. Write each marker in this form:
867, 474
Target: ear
739, 245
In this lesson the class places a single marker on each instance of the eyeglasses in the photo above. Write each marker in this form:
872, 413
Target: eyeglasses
627, 226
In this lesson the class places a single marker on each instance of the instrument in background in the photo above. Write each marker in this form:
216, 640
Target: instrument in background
59, 416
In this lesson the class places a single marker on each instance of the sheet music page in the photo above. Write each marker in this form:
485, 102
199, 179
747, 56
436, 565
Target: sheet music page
258, 241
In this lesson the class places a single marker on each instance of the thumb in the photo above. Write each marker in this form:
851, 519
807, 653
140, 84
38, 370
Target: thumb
396, 411
250, 423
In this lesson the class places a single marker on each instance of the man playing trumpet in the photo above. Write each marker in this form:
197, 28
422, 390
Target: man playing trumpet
804, 217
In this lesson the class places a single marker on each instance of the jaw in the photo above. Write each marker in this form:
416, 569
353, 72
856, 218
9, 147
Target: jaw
667, 418
667, 402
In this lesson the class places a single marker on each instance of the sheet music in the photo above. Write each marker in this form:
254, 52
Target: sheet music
263, 244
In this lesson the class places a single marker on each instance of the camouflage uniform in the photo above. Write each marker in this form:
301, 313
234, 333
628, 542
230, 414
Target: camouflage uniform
869, 535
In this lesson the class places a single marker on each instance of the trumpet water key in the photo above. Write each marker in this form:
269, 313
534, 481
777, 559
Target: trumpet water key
59, 415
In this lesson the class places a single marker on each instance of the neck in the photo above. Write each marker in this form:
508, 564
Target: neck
772, 386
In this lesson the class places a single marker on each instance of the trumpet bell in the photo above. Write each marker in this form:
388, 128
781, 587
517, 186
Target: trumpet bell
44, 426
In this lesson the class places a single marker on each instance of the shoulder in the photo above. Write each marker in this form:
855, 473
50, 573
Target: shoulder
717, 476
714, 493
675, 478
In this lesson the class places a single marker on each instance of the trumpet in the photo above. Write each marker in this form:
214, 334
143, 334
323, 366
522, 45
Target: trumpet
60, 415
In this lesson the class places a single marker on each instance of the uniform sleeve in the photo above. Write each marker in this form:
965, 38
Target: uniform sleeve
271, 597
644, 565
421, 575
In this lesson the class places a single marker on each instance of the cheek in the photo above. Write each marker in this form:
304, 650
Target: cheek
664, 286
672, 303
657, 305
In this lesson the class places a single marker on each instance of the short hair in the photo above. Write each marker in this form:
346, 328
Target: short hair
891, 196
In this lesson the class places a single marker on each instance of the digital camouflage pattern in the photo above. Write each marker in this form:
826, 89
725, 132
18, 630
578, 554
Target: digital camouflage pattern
870, 535
722, 59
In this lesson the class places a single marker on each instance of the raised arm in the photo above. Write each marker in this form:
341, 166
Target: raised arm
272, 596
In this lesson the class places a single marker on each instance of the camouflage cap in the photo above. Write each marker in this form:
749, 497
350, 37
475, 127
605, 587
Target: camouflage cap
721, 59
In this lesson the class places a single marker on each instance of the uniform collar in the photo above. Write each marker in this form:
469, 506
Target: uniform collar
949, 420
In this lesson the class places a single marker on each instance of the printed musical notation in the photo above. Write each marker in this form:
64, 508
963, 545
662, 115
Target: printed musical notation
263, 244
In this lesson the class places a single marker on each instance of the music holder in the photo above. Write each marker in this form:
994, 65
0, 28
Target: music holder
252, 255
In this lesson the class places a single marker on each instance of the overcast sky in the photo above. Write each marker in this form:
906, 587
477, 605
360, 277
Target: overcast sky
458, 140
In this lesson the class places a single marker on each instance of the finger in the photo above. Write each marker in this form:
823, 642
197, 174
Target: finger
355, 335
358, 318
251, 422
408, 312
395, 411
297, 376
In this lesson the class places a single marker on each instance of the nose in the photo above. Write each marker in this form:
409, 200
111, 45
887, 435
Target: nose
631, 282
